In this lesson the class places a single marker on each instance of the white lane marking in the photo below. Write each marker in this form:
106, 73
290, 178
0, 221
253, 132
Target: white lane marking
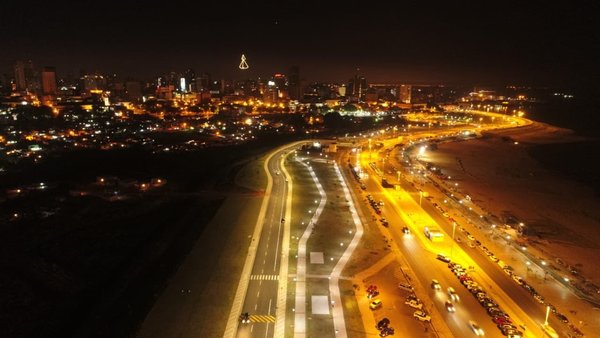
269, 311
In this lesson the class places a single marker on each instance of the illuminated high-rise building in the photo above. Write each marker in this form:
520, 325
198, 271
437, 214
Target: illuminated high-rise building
49, 81
405, 93
93, 82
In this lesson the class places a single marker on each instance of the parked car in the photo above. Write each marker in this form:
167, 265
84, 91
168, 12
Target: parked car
422, 316
443, 258
382, 323
376, 304
415, 304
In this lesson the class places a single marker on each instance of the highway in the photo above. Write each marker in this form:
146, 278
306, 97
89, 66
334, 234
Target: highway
421, 257
261, 282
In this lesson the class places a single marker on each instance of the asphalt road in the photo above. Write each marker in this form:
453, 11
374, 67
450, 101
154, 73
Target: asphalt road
261, 296
525, 300
426, 267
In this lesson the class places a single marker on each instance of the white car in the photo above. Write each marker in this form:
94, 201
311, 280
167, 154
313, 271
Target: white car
450, 306
422, 316
435, 284
453, 295
415, 304
476, 328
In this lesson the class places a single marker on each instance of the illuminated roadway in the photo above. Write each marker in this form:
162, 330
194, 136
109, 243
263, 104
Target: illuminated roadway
422, 260
262, 291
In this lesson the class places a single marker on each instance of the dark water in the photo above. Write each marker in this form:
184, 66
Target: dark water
576, 160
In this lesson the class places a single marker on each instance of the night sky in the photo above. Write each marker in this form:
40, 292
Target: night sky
496, 43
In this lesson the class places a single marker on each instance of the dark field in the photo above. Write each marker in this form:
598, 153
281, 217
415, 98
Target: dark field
89, 267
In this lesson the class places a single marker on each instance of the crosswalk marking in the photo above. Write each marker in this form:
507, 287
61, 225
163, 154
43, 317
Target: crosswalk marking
264, 277
262, 319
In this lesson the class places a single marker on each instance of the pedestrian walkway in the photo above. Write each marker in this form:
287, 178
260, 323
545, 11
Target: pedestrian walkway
264, 277
300, 303
262, 319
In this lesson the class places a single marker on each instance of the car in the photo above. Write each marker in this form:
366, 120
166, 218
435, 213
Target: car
449, 306
518, 279
453, 295
363, 187
475, 290
435, 284
561, 317
422, 316
443, 258
381, 203
384, 222
476, 328
494, 258
376, 304
415, 304
371, 288
506, 327
373, 293
386, 331
465, 278
514, 334
406, 286
245, 318
470, 237
501, 320
383, 323
406, 230
539, 298
495, 311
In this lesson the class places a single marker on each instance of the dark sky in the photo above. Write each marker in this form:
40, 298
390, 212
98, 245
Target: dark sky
390, 41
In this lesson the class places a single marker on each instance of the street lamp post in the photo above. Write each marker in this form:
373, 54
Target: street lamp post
420, 197
398, 172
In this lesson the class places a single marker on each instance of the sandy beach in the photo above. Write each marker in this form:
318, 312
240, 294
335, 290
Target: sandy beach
561, 212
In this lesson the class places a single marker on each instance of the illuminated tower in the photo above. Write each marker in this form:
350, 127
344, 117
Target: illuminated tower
243, 63
49, 81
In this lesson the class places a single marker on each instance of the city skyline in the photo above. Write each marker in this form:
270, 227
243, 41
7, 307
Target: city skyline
395, 43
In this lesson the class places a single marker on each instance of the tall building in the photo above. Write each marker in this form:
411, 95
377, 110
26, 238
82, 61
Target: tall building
133, 90
203, 82
190, 80
405, 93
26, 77
93, 82
49, 81
357, 87
294, 85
